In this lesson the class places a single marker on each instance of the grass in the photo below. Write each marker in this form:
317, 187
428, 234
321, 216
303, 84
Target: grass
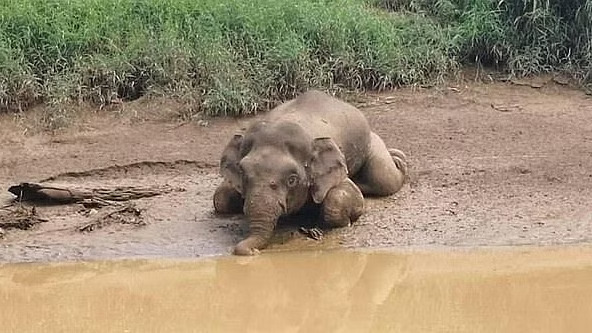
520, 36
234, 57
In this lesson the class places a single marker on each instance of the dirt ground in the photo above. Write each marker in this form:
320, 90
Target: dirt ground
491, 165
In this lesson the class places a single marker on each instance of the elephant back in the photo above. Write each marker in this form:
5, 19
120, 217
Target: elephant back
322, 115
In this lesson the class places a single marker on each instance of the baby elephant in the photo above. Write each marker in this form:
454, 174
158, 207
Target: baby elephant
312, 149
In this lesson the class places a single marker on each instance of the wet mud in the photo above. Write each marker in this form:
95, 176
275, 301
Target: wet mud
526, 290
491, 165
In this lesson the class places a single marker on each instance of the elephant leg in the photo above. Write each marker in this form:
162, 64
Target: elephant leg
385, 171
343, 205
227, 200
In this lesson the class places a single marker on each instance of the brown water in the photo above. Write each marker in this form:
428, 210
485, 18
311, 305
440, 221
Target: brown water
524, 290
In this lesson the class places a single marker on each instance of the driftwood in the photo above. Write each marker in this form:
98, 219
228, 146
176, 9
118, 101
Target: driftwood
116, 200
118, 209
100, 196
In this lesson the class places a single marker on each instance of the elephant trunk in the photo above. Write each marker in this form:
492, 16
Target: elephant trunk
263, 216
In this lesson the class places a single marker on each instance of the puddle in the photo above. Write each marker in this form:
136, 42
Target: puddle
509, 290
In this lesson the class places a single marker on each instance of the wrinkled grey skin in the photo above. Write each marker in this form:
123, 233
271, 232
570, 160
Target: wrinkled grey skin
312, 149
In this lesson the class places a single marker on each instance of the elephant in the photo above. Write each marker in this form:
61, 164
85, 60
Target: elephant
312, 150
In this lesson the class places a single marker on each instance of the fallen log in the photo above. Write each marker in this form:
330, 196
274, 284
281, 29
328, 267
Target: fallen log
61, 195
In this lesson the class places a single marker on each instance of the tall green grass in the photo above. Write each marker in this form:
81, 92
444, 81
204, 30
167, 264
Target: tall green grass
230, 57
521, 36
233, 57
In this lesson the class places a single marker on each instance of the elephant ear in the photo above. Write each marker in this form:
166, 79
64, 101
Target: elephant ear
327, 168
229, 167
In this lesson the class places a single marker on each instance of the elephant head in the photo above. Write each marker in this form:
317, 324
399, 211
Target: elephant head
277, 168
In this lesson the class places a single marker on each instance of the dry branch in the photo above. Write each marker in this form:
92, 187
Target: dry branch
19, 217
126, 214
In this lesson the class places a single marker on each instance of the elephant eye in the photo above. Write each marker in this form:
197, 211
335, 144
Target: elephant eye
293, 180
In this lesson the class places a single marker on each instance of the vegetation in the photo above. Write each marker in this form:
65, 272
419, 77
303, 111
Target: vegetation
233, 57
521, 36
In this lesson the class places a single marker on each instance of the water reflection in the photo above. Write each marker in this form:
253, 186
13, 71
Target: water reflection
340, 291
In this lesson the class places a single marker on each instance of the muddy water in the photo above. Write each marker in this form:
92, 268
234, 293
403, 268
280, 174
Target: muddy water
523, 290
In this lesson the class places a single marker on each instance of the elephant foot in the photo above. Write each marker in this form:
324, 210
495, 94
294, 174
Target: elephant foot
343, 205
227, 200
398, 154
400, 159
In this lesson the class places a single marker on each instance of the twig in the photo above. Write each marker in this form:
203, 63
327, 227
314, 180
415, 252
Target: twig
20, 218
112, 216
6, 206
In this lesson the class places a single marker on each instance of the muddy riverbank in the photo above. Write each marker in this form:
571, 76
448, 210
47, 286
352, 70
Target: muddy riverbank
491, 165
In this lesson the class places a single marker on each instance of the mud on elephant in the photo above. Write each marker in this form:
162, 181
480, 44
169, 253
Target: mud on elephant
313, 149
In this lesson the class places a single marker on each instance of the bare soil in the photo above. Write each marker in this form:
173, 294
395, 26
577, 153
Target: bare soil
491, 165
